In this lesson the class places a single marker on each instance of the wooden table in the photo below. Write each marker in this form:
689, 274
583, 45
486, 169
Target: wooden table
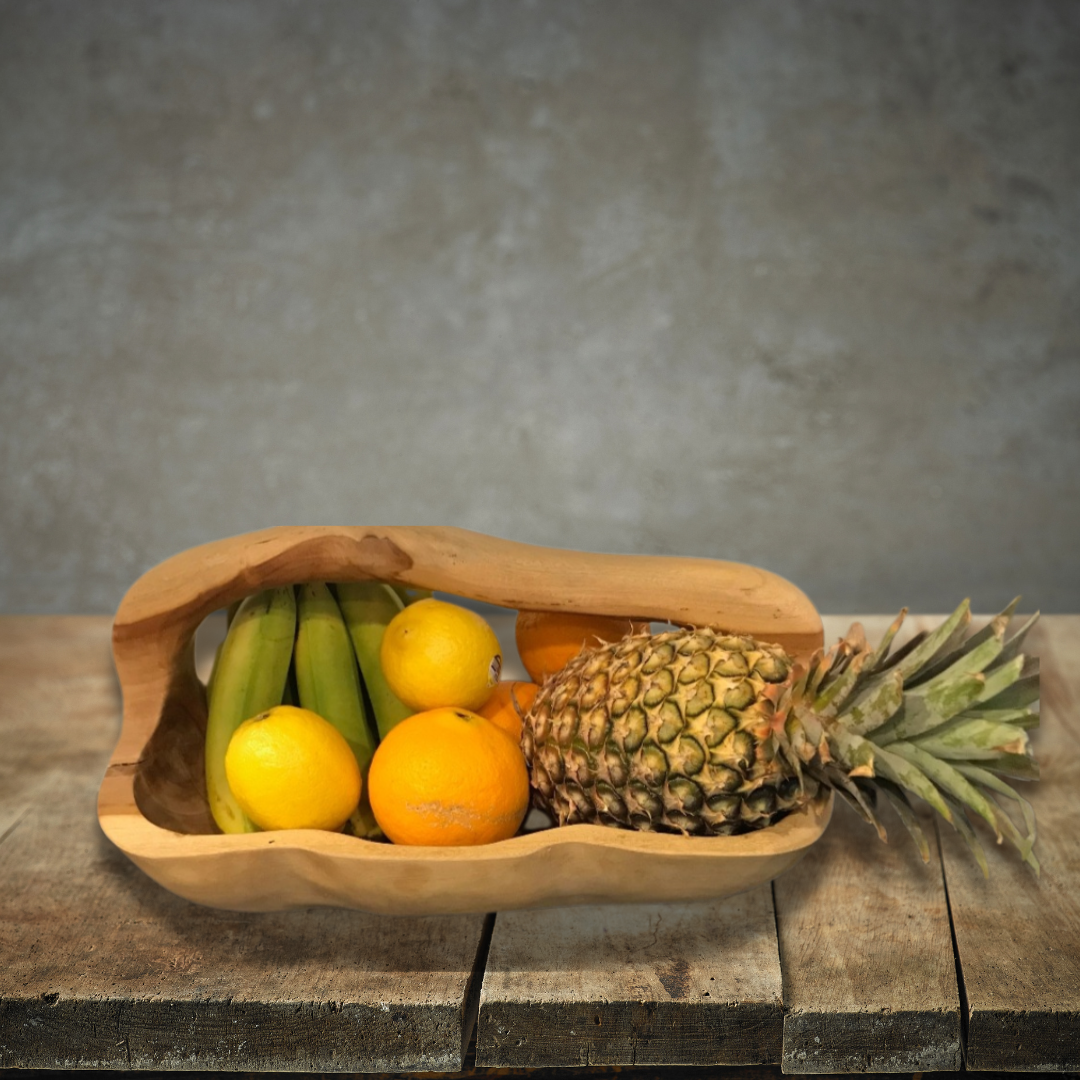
860, 959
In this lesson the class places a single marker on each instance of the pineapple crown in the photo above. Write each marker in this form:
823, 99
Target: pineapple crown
944, 718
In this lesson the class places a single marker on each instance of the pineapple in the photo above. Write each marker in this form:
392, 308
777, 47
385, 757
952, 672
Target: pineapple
700, 732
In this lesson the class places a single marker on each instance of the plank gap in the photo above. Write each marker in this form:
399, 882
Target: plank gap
779, 951
472, 995
960, 988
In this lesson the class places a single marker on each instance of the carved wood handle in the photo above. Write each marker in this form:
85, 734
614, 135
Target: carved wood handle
157, 619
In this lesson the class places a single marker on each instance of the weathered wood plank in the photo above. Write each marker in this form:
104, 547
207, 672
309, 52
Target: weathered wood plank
103, 969
678, 984
1018, 936
869, 974
866, 949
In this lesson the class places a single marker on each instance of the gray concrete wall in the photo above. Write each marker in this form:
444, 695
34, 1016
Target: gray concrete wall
791, 283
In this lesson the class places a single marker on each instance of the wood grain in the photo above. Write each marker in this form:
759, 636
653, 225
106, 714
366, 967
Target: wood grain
693, 984
104, 970
1018, 936
869, 975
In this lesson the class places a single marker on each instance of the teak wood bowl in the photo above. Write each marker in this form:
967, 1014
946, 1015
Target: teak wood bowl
152, 801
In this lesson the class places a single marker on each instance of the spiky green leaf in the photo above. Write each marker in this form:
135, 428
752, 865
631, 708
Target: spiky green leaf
993, 783
1022, 718
1015, 643
828, 702
978, 645
854, 796
1021, 693
951, 693
914, 642
950, 781
973, 740
900, 771
875, 704
918, 715
902, 806
963, 827
853, 751
881, 653
1022, 844
1015, 766
1001, 677
819, 668
936, 643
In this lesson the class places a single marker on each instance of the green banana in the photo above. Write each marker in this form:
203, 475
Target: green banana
230, 614
327, 676
248, 678
368, 606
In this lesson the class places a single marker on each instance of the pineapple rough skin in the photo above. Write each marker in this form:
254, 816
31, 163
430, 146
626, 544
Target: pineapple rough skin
700, 732
665, 732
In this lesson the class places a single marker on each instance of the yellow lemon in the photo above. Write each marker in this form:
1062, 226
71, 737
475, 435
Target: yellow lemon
436, 654
290, 769
448, 777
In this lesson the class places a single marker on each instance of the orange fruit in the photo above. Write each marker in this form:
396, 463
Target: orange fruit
548, 640
290, 769
437, 654
507, 704
448, 777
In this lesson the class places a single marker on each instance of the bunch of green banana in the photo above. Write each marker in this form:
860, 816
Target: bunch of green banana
304, 647
249, 677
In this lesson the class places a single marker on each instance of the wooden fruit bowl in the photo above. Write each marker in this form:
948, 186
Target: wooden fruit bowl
152, 801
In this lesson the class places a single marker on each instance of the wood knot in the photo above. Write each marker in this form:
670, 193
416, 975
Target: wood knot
382, 557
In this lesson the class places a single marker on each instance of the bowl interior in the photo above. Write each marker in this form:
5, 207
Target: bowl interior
170, 782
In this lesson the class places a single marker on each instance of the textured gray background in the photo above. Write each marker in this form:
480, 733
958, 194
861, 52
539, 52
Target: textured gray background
791, 283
